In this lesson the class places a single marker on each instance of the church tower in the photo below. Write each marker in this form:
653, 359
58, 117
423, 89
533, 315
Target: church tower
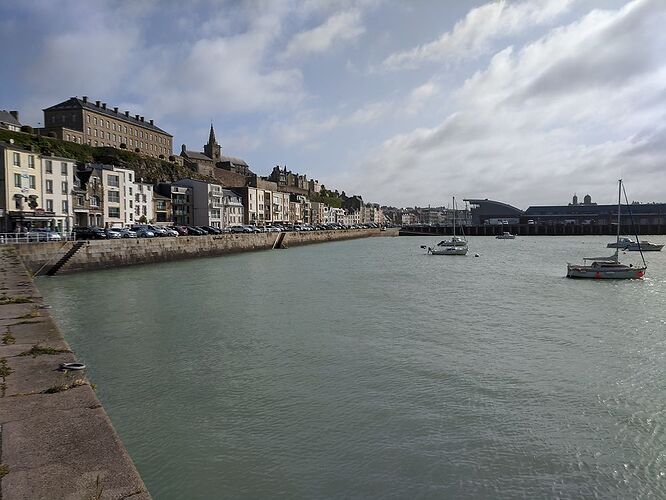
212, 149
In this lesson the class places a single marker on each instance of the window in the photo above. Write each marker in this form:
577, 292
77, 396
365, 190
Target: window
94, 201
63, 185
88, 129
49, 167
95, 132
17, 180
33, 183
144, 198
49, 186
17, 159
65, 206
129, 176
114, 180
114, 197
80, 201
88, 122
108, 125
49, 205
63, 168
31, 161
131, 202
95, 120
114, 212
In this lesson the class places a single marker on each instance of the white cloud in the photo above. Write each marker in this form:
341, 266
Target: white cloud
471, 35
342, 26
420, 96
568, 112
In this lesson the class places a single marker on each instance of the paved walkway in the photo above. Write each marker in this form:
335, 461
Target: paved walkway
56, 439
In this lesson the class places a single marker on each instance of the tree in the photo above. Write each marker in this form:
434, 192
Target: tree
143, 219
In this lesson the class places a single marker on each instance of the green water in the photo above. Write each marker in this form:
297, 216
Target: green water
367, 369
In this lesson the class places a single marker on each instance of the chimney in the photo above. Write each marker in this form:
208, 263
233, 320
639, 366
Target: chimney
127, 113
151, 122
115, 110
103, 105
142, 118
97, 103
14, 114
85, 98
136, 117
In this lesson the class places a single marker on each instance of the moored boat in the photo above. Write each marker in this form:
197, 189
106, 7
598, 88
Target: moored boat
506, 236
630, 245
608, 267
457, 245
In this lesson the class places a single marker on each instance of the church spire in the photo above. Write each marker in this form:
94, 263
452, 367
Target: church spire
212, 149
211, 136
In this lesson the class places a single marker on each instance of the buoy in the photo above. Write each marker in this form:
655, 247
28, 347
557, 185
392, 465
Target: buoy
476, 255
72, 366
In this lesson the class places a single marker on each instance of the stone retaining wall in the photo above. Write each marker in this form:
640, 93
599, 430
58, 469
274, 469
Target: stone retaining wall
99, 254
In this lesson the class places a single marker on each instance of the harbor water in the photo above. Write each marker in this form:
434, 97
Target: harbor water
368, 369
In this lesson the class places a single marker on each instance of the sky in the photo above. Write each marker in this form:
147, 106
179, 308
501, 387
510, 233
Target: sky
406, 102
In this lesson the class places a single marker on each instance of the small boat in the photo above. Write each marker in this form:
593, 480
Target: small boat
457, 245
506, 236
630, 245
608, 267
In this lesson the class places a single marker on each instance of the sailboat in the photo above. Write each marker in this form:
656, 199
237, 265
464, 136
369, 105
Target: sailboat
455, 246
608, 267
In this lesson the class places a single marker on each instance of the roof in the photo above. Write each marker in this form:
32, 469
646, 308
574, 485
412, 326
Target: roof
75, 102
7, 117
235, 161
494, 204
195, 155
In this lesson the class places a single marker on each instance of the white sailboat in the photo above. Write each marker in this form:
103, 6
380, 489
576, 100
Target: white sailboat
608, 267
457, 245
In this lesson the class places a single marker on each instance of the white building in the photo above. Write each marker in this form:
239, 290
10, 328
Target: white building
232, 209
117, 183
143, 209
57, 182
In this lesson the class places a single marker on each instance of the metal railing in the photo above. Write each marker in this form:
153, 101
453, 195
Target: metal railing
34, 237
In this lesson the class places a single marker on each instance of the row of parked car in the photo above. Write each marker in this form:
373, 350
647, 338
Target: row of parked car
153, 231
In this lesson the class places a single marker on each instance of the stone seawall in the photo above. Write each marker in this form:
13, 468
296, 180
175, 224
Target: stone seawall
99, 254
57, 440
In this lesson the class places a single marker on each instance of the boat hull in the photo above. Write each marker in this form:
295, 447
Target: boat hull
605, 273
448, 251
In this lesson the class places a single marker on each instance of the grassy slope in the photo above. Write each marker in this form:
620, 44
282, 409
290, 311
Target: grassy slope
149, 169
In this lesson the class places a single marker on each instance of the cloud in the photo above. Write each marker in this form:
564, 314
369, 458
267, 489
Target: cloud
342, 26
472, 35
420, 96
570, 111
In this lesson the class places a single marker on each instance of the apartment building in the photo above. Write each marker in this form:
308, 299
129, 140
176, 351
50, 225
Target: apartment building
58, 176
162, 208
143, 209
232, 208
21, 194
78, 120
206, 202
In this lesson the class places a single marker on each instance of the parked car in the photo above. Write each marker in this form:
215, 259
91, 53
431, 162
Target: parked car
181, 230
211, 229
126, 233
237, 229
195, 231
43, 234
112, 233
158, 231
170, 231
143, 232
89, 233
251, 229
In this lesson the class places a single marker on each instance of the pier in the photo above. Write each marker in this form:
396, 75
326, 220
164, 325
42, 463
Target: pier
536, 229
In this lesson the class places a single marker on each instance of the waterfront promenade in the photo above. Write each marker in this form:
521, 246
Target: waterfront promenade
57, 440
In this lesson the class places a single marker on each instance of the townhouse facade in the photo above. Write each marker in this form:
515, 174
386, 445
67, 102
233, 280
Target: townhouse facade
142, 203
232, 208
206, 202
83, 122
58, 181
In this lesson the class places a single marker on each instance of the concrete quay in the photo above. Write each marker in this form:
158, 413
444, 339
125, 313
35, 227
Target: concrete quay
102, 254
57, 441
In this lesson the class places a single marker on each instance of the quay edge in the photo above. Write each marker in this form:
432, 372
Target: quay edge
57, 440
103, 254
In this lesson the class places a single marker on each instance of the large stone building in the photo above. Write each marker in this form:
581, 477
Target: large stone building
78, 120
228, 170
9, 120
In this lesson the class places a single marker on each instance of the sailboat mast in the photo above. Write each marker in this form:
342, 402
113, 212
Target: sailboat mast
454, 219
619, 204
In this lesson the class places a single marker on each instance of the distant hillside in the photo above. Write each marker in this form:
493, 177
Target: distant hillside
149, 169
